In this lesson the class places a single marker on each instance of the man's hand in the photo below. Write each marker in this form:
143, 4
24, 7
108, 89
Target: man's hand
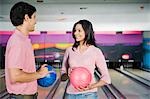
43, 71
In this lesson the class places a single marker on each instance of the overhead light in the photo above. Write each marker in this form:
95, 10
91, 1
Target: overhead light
61, 13
83, 8
1, 17
40, 1
61, 19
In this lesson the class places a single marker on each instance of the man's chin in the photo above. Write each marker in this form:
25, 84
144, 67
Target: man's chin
31, 30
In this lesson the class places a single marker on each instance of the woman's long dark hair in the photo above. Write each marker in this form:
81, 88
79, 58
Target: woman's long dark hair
89, 33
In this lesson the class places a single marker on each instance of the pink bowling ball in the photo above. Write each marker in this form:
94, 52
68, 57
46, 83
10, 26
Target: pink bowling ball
80, 76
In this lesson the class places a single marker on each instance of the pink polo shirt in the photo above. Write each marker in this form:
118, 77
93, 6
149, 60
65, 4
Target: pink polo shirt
19, 54
89, 59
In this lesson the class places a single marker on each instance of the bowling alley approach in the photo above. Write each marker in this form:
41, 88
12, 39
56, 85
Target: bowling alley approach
74, 49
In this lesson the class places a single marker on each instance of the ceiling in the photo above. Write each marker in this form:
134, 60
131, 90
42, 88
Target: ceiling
99, 11
76, 1
63, 10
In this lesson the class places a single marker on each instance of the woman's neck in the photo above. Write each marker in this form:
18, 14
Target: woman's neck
83, 46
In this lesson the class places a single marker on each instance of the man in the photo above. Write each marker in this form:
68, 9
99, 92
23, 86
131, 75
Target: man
20, 70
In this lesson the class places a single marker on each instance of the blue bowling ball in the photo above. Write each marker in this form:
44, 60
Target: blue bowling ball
49, 79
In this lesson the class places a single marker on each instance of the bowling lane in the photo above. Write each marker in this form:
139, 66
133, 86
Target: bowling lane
101, 94
43, 92
2, 80
2, 71
140, 73
128, 87
60, 92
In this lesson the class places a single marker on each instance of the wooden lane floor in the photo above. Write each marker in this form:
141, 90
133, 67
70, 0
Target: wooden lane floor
2, 80
128, 87
139, 72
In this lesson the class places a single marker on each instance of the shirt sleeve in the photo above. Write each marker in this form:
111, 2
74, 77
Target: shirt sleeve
102, 67
15, 55
65, 64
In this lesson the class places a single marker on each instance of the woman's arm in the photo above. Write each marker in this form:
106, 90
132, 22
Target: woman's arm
102, 67
65, 66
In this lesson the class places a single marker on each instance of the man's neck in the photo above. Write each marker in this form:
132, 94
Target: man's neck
22, 30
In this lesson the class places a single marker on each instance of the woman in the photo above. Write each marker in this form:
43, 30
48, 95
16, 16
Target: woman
85, 53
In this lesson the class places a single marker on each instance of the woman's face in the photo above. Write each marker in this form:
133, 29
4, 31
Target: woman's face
79, 33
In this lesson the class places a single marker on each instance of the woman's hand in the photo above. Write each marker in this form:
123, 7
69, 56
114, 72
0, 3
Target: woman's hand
70, 70
64, 77
92, 86
81, 88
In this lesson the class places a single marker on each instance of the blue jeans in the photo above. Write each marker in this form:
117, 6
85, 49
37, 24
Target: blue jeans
89, 95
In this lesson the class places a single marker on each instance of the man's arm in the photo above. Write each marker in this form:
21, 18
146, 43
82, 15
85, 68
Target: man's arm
18, 75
